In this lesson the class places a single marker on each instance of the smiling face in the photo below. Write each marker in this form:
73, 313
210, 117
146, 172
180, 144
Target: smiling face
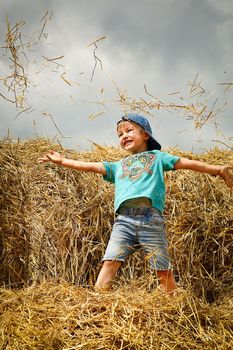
132, 137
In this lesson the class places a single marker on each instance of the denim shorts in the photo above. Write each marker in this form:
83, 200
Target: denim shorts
139, 228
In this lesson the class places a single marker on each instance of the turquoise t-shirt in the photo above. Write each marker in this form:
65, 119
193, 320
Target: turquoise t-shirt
140, 175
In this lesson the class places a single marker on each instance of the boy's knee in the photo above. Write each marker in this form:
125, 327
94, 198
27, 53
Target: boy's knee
107, 274
111, 265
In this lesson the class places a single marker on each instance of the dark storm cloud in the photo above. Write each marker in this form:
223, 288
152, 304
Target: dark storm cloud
174, 30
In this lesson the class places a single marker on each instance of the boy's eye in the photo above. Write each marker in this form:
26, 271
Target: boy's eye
127, 131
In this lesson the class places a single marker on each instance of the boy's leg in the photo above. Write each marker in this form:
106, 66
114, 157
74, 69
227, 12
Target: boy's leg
107, 274
167, 280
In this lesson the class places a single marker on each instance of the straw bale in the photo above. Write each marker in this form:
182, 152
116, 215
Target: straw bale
200, 226
52, 316
54, 227
55, 223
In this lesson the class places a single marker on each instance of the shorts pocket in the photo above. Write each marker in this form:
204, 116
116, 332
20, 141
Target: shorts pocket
158, 220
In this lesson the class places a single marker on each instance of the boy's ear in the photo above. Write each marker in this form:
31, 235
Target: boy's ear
147, 136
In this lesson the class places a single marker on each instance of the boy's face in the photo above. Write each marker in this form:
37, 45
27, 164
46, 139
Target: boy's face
132, 137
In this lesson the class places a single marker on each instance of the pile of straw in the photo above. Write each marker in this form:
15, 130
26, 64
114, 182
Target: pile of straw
54, 226
52, 316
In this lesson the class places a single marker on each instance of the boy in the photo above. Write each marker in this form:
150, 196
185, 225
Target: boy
139, 197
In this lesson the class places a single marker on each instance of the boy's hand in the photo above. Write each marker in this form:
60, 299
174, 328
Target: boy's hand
226, 175
52, 156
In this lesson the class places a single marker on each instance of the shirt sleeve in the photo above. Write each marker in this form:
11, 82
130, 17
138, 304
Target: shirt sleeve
110, 168
168, 161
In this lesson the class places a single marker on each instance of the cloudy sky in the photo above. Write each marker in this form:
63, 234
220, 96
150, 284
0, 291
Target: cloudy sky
162, 45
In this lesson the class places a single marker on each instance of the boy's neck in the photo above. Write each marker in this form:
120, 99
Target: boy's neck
139, 151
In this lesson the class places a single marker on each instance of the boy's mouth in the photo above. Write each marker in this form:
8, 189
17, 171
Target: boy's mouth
127, 142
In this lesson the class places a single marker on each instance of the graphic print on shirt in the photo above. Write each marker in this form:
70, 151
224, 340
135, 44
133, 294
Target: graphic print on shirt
134, 166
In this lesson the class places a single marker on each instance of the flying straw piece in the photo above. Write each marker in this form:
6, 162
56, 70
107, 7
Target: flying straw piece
228, 85
97, 40
42, 30
94, 54
93, 116
24, 110
7, 99
48, 114
174, 93
64, 79
46, 19
53, 59
44, 16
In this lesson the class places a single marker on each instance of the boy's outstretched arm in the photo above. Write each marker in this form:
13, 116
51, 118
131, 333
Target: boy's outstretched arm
57, 158
202, 167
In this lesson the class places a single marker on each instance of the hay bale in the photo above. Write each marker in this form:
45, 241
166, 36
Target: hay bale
55, 222
52, 316
200, 226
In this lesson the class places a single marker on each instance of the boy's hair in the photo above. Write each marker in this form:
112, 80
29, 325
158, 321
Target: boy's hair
145, 125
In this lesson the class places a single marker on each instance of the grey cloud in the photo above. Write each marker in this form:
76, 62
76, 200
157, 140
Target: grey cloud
160, 43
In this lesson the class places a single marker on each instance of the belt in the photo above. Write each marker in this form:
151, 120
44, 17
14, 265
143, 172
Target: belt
137, 211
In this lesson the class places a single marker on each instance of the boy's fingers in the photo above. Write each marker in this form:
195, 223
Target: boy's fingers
229, 168
50, 156
44, 159
52, 152
229, 181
